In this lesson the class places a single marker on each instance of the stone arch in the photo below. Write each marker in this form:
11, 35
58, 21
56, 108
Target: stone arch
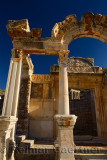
91, 25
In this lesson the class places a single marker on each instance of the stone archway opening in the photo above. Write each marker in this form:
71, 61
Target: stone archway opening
83, 106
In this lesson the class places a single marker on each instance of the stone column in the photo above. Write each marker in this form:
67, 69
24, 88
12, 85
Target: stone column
8, 119
63, 83
65, 142
13, 85
7, 125
65, 122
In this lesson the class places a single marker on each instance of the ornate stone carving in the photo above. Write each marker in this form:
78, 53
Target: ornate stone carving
79, 65
41, 78
17, 53
66, 120
90, 26
88, 18
61, 27
63, 56
97, 19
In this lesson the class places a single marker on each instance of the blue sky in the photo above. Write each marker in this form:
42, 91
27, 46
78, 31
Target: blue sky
44, 14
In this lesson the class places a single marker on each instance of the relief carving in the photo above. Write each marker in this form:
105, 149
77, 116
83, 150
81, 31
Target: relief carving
90, 24
41, 78
79, 65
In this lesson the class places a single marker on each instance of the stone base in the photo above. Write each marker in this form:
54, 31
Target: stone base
6, 135
65, 142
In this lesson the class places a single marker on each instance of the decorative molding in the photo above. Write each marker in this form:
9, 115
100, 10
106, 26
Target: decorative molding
41, 78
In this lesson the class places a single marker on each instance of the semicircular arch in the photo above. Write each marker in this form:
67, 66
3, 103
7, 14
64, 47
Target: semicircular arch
91, 25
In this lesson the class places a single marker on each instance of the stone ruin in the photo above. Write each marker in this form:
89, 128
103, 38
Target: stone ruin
59, 116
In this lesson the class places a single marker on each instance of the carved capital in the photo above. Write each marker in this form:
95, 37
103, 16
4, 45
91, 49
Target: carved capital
66, 120
17, 53
63, 56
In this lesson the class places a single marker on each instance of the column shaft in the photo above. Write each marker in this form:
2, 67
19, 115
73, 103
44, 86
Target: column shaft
63, 84
7, 88
65, 90
17, 88
60, 108
11, 90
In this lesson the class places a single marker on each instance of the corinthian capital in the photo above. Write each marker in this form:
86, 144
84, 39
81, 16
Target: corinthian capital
17, 53
63, 55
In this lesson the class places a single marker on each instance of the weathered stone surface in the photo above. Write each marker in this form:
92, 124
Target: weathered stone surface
65, 143
41, 110
90, 26
37, 91
22, 124
84, 108
62, 33
38, 106
79, 65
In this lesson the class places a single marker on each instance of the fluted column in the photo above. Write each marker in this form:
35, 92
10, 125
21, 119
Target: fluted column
8, 119
13, 85
63, 83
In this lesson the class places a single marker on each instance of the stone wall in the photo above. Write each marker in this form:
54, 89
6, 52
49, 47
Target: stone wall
41, 108
45, 100
22, 124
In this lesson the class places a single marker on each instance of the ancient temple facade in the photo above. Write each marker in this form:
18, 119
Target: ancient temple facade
59, 116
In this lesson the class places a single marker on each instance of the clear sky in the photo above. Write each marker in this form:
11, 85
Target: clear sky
44, 14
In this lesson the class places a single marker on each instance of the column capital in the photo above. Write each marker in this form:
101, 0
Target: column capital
63, 55
66, 120
17, 53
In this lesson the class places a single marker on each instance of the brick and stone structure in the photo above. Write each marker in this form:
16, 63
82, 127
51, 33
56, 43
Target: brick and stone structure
40, 113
